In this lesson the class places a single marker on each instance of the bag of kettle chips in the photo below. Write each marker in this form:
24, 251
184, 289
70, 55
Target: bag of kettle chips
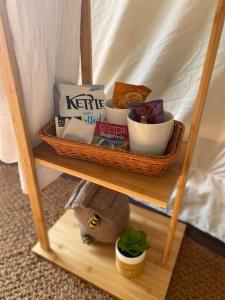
125, 93
83, 101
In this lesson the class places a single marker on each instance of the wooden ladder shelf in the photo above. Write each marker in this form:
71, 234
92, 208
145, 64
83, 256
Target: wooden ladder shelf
62, 244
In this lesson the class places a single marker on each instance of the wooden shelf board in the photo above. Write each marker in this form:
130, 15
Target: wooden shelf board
96, 263
156, 190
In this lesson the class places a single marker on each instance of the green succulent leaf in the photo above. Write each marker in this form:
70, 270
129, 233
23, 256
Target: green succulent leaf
133, 242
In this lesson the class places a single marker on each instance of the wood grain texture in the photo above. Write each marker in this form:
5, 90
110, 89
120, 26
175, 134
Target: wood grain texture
96, 263
12, 86
156, 190
216, 31
86, 42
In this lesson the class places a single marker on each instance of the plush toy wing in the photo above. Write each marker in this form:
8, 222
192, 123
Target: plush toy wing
82, 195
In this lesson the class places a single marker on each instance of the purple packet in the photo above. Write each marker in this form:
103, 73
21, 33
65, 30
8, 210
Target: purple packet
134, 109
155, 112
152, 111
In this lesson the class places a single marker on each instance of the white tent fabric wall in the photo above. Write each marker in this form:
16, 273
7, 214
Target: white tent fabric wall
46, 40
162, 44
159, 43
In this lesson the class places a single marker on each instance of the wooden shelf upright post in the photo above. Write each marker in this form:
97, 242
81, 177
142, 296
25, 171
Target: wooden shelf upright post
86, 42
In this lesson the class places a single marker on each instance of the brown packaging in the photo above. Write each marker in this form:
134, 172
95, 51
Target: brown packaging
125, 93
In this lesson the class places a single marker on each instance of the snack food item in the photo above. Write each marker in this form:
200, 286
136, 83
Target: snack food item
111, 135
150, 112
60, 124
79, 131
83, 101
125, 93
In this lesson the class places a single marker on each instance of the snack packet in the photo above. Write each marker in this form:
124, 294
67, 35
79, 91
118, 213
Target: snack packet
83, 101
111, 135
151, 112
60, 124
125, 93
79, 131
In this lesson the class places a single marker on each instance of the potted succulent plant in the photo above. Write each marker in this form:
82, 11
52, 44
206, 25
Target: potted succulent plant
131, 248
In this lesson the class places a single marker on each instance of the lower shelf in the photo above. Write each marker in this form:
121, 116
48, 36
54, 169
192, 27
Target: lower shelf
96, 263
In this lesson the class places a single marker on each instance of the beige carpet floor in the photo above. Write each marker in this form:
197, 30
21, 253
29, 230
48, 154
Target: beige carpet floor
199, 273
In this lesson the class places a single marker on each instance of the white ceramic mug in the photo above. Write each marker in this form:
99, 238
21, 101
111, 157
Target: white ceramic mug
150, 139
116, 116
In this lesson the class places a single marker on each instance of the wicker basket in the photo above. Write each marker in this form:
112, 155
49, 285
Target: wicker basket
142, 164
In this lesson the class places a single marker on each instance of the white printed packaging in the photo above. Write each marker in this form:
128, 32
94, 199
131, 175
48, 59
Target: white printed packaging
60, 124
79, 131
83, 101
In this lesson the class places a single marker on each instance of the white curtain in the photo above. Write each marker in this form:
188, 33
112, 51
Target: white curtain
159, 43
163, 44
46, 43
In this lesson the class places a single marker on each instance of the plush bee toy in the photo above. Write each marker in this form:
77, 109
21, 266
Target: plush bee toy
102, 213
